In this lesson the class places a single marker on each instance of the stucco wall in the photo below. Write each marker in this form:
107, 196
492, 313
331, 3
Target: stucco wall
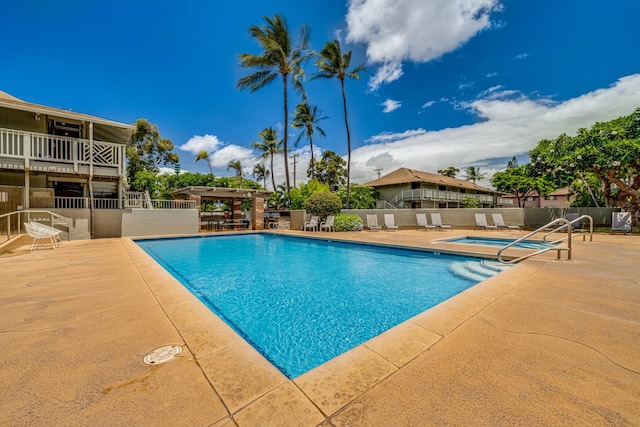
530, 218
150, 222
107, 223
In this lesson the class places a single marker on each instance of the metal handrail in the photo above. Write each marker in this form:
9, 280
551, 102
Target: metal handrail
568, 238
584, 236
28, 212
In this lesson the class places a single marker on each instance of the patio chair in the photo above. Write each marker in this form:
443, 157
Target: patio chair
372, 223
328, 224
499, 222
47, 229
423, 223
39, 234
437, 221
481, 223
390, 222
621, 221
312, 224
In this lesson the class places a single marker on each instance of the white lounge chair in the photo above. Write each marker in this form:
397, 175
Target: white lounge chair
423, 223
39, 234
328, 224
390, 222
621, 221
437, 221
481, 223
312, 224
499, 222
46, 228
372, 223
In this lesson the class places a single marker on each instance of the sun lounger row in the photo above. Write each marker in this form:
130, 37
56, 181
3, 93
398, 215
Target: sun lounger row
314, 224
498, 223
390, 222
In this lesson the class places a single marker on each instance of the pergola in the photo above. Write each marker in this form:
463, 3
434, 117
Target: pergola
235, 195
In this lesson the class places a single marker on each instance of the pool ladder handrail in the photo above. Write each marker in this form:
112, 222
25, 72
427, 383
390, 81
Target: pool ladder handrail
565, 222
562, 227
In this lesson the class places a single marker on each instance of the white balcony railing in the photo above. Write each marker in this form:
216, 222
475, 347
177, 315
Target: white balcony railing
60, 149
446, 196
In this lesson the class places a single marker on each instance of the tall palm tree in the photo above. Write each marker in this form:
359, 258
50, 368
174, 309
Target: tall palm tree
203, 155
237, 166
332, 63
472, 174
260, 172
307, 117
269, 145
279, 57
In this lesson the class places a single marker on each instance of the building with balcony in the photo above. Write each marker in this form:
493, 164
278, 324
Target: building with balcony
412, 189
560, 198
52, 158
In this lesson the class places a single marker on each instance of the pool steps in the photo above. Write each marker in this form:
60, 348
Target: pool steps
477, 270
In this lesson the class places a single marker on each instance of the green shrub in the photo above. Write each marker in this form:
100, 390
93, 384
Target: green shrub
349, 222
323, 204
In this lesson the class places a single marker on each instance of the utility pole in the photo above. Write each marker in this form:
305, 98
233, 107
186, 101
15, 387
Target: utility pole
378, 170
295, 162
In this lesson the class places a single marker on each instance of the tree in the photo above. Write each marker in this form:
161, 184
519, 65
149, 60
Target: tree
190, 179
362, 196
472, 174
270, 145
609, 150
451, 172
323, 203
587, 191
147, 150
332, 63
307, 117
521, 182
260, 172
329, 170
300, 195
279, 57
204, 155
237, 167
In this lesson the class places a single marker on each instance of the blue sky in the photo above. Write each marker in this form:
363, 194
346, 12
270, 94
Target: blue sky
449, 83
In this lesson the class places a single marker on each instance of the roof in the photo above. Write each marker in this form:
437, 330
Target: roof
9, 101
407, 176
222, 192
558, 192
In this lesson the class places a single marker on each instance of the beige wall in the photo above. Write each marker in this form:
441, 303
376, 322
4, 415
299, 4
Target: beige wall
149, 222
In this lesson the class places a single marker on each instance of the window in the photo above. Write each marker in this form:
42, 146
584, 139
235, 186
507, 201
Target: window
530, 199
551, 197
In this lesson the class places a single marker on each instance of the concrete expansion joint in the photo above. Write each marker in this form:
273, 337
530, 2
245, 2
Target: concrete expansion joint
580, 343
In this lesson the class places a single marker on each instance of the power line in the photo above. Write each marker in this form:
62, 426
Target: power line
378, 170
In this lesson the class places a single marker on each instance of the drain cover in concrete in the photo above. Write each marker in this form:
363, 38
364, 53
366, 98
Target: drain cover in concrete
162, 354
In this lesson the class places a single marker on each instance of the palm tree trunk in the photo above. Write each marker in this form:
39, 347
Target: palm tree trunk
346, 122
312, 164
286, 139
273, 179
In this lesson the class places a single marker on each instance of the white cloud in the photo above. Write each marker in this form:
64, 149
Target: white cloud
428, 104
509, 127
390, 105
521, 56
198, 143
415, 30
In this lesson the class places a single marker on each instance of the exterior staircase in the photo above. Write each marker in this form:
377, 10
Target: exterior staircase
477, 271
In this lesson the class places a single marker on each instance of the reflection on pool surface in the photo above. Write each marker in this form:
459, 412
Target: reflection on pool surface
490, 241
301, 302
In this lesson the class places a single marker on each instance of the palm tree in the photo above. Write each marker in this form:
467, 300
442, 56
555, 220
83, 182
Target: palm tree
307, 117
260, 172
472, 174
203, 155
332, 63
237, 166
269, 146
279, 57
451, 171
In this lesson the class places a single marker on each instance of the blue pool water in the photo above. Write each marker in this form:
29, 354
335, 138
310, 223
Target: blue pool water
490, 241
301, 302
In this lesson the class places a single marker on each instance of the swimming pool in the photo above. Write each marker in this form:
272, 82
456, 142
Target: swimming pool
490, 241
301, 302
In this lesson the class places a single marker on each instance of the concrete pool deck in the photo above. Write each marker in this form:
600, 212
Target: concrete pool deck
545, 343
